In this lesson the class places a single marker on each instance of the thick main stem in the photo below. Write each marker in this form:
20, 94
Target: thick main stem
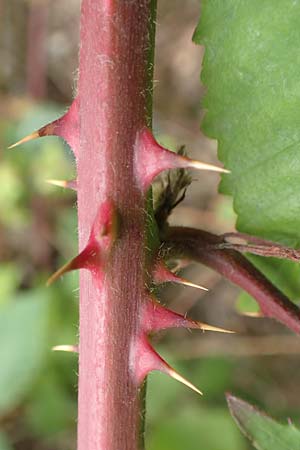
113, 91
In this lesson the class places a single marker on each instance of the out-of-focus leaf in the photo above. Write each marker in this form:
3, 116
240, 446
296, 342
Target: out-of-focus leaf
23, 345
245, 303
178, 420
264, 432
161, 396
52, 408
9, 277
11, 193
4, 444
194, 429
214, 375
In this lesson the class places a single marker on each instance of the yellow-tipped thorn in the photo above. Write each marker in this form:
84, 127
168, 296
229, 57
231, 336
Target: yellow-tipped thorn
71, 184
170, 371
59, 183
66, 268
204, 166
257, 314
28, 138
190, 284
206, 327
65, 348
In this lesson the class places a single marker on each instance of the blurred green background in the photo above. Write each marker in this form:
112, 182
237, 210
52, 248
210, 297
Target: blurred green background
38, 387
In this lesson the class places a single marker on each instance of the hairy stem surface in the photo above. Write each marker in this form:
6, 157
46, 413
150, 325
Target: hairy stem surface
113, 92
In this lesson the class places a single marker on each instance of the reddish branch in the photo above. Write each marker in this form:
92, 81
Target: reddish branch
201, 246
246, 243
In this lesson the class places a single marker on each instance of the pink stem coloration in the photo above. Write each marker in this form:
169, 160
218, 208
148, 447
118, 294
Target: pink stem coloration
113, 90
201, 246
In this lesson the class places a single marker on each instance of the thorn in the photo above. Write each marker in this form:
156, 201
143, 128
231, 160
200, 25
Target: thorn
65, 348
66, 127
206, 327
257, 314
93, 256
145, 360
162, 274
156, 317
193, 164
182, 380
28, 138
190, 284
74, 264
70, 184
151, 159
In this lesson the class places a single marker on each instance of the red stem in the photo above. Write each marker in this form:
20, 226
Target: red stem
200, 246
112, 92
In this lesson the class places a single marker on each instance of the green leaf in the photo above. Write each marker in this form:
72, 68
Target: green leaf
264, 432
251, 71
23, 333
246, 304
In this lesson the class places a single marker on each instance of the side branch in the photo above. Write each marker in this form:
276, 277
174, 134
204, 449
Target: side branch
201, 246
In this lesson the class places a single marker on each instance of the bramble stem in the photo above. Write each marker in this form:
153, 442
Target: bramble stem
113, 91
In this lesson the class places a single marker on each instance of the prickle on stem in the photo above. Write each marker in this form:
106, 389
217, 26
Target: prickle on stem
67, 184
102, 236
162, 274
151, 159
144, 359
156, 317
66, 127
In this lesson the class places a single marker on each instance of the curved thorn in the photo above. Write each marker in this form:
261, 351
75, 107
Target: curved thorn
68, 267
102, 236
